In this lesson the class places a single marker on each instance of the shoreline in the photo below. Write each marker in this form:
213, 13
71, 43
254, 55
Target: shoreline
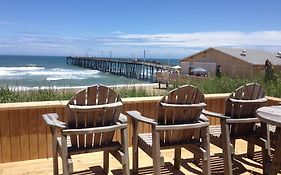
77, 88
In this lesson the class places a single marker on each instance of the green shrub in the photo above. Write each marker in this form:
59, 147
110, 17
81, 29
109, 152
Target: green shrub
223, 84
9, 96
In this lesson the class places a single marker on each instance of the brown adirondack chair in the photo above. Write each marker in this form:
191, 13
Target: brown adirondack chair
179, 124
239, 122
92, 117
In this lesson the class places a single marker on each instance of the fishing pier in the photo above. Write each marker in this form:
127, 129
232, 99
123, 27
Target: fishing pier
131, 68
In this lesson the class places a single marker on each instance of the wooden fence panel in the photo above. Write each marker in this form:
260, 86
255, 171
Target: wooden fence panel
33, 134
5, 136
42, 133
15, 135
25, 136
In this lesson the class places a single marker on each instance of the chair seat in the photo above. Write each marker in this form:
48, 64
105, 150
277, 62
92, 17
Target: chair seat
110, 146
215, 130
114, 145
146, 138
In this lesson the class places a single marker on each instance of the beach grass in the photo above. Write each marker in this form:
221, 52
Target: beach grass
223, 84
10, 96
13, 95
226, 84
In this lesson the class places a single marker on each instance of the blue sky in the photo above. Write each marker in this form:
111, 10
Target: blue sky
171, 28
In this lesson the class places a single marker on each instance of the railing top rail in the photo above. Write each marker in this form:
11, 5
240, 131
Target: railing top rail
47, 104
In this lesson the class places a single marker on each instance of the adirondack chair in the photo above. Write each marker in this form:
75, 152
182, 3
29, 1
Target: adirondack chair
179, 124
239, 122
92, 117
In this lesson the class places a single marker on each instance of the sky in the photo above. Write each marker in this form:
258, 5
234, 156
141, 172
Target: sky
125, 28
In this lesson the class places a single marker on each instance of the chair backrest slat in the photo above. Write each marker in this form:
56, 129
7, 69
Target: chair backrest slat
81, 117
250, 91
94, 95
109, 117
168, 116
101, 96
91, 116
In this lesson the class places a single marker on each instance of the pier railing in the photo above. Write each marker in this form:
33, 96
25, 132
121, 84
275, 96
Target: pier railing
131, 68
25, 136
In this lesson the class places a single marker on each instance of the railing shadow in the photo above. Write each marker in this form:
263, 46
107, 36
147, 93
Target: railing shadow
96, 170
168, 169
256, 160
217, 167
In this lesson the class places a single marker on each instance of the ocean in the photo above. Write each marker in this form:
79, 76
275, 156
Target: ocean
31, 72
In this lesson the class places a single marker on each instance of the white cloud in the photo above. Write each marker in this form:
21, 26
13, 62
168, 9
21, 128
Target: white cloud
160, 45
204, 39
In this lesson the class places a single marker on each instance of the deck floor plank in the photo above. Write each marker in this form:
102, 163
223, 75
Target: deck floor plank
91, 164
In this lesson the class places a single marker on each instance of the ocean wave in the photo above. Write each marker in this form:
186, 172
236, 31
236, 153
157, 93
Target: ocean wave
16, 71
63, 72
25, 68
53, 74
65, 78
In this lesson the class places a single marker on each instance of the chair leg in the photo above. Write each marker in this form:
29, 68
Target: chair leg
266, 148
276, 162
250, 150
55, 152
232, 146
135, 147
227, 161
197, 157
177, 161
125, 146
106, 161
206, 165
64, 155
156, 151
70, 164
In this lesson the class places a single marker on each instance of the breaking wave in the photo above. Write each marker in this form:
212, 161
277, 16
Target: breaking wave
52, 74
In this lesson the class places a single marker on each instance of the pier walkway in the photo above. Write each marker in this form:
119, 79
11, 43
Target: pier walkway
131, 68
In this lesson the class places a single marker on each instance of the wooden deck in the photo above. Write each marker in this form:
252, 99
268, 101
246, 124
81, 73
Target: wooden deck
91, 164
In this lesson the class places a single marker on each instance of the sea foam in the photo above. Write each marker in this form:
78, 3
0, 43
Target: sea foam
52, 74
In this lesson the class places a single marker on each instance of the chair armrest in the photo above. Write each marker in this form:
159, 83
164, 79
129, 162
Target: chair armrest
203, 118
260, 100
135, 115
198, 105
52, 120
200, 124
94, 129
214, 114
92, 108
243, 120
122, 118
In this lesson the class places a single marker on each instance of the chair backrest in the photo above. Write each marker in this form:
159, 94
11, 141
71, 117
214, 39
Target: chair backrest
94, 95
187, 94
250, 91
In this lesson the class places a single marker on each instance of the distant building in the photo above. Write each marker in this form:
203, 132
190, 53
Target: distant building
231, 61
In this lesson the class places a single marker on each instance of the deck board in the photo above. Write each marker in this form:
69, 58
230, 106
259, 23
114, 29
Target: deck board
91, 164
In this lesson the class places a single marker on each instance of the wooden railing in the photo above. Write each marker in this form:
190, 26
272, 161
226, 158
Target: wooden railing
25, 136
